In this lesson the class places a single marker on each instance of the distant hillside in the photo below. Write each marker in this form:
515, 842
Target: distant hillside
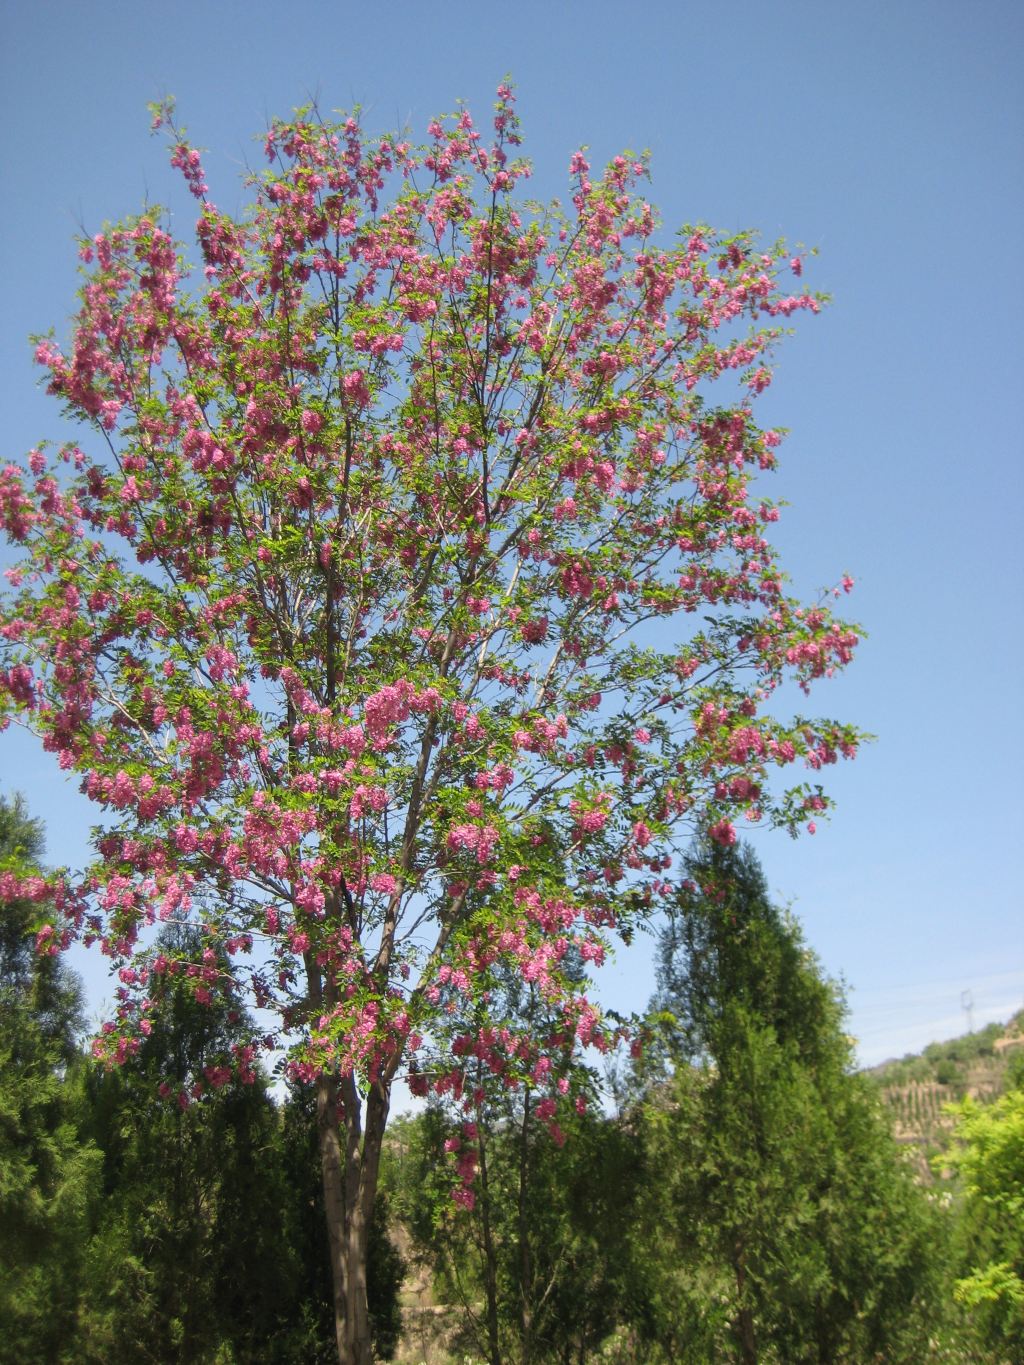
917, 1088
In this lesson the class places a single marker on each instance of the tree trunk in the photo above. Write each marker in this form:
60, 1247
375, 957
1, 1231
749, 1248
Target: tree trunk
744, 1317
525, 1259
350, 1191
490, 1258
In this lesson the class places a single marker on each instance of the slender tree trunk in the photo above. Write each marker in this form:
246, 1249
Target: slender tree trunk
349, 1170
744, 1317
332, 1167
490, 1259
350, 1173
525, 1258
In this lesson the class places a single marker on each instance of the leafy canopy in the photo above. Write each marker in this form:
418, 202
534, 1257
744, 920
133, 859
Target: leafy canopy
409, 596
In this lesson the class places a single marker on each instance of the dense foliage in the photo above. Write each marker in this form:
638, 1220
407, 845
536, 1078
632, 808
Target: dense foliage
47, 1175
748, 1202
793, 1229
138, 1227
988, 1155
536, 1260
745, 1204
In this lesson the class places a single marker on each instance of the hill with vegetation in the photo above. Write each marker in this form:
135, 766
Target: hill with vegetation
917, 1088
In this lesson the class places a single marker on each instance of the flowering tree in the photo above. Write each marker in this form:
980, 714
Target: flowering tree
411, 601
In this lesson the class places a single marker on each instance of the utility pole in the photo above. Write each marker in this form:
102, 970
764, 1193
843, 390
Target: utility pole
967, 1005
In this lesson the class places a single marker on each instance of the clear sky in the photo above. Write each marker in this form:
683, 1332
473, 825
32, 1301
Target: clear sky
890, 136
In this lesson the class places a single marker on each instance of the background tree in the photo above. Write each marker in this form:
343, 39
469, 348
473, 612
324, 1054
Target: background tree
139, 1228
532, 1259
988, 1157
48, 1176
793, 1230
211, 1243
190, 1255
411, 596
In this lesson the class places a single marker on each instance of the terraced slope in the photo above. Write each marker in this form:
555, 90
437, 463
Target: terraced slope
917, 1088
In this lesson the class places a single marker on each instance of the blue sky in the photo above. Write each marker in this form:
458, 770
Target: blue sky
891, 137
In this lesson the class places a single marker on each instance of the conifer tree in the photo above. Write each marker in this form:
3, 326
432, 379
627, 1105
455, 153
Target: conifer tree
48, 1176
793, 1228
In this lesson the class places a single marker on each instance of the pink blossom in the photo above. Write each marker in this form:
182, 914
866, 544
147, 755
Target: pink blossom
355, 389
186, 840
478, 839
306, 635
723, 833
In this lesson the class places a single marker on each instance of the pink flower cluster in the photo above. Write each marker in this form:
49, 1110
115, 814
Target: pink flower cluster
478, 839
393, 705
